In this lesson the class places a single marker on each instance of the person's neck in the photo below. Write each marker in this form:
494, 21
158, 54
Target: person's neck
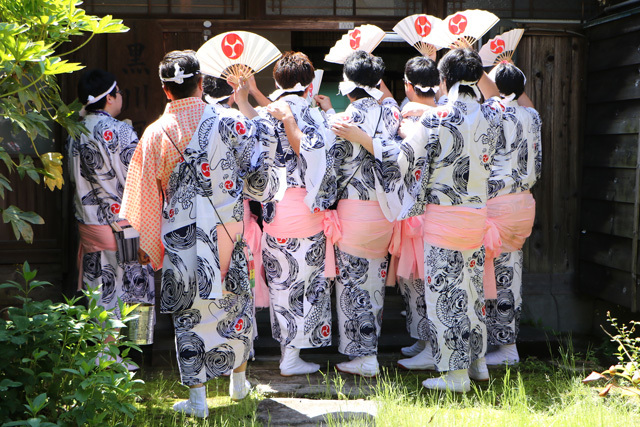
426, 100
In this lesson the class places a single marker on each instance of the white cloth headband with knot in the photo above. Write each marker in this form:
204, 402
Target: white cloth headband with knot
435, 89
278, 92
347, 86
178, 75
453, 92
93, 99
212, 101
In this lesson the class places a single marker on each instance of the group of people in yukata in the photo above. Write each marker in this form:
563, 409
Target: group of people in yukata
434, 198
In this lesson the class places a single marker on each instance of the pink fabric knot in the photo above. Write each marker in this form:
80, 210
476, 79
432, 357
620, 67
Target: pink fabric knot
333, 233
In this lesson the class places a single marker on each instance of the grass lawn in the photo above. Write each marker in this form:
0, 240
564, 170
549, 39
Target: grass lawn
535, 393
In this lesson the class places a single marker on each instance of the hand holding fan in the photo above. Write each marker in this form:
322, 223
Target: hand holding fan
463, 29
500, 48
365, 37
236, 55
422, 32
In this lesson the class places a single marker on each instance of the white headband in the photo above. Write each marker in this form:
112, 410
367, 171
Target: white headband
211, 100
178, 75
347, 86
422, 88
93, 99
453, 92
278, 92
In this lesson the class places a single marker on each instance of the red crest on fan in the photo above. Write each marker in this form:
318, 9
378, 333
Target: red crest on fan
239, 325
228, 184
423, 26
326, 330
310, 88
497, 45
458, 24
205, 169
115, 208
354, 42
232, 46
240, 128
107, 135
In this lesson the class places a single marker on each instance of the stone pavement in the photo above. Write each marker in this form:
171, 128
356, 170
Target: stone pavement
325, 398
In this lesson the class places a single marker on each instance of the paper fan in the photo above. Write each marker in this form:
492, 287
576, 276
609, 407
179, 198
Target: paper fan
314, 87
365, 37
500, 48
468, 26
236, 54
422, 32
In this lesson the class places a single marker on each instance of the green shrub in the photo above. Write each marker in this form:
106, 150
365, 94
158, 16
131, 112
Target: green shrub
48, 362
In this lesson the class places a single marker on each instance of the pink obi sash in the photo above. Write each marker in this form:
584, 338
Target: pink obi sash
407, 249
461, 228
253, 236
94, 238
457, 228
294, 220
512, 215
366, 233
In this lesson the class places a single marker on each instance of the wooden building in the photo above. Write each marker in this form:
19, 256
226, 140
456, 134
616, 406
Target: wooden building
572, 254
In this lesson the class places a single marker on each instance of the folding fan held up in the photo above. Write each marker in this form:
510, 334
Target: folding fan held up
500, 48
365, 37
466, 27
422, 32
236, 55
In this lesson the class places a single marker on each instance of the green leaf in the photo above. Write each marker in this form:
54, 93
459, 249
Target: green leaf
6, 383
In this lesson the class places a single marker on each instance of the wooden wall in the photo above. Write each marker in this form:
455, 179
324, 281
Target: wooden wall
554, 62
609, 188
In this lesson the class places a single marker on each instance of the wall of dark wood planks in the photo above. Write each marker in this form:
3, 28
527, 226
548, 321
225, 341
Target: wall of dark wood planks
610, 157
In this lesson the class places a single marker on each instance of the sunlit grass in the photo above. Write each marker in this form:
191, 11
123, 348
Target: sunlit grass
535, 393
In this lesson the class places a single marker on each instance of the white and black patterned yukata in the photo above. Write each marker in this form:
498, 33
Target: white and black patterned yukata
213, 320
360, 284
98, 163
446, 162
300, 294
516, 167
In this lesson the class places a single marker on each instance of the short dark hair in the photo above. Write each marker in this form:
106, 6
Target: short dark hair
292, 68
422, 71
188, 62
509, 79
461, 65
364, 69
95, 82
216, 87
